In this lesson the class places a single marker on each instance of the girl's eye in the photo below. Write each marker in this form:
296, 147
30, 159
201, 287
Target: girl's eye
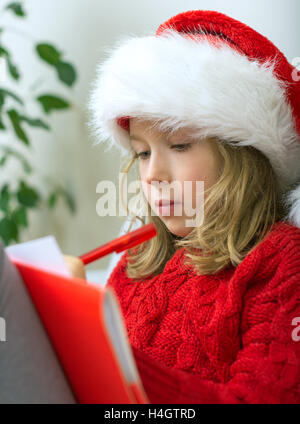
182, 147
140, 155
178, 147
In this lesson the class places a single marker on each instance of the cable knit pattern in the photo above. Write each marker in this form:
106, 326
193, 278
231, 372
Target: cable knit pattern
225, 338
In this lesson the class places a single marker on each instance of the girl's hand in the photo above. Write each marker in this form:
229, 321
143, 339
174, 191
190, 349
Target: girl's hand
75, 265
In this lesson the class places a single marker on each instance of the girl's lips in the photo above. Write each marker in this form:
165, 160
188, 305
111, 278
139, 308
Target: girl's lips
165, 202
167, 209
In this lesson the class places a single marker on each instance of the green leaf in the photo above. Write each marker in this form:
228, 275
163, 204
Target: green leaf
13, 70
1, 99
8, 151
52, 200
17, 8
2, 126
48, 53
4, 198
15, 120
66, 72
69, 200
27, 196
8, 230
19, 215
34, 122
49, 103
4, 92
3, 52
67, 196
3, 160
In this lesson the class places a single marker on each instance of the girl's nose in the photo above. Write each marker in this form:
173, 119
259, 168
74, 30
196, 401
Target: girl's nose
158, 170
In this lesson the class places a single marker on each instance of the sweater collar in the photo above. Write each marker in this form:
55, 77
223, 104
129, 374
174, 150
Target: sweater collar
176, 262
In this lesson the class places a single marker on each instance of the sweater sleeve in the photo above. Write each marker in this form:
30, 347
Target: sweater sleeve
266, 368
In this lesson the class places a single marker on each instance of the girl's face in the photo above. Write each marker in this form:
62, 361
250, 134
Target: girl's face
165, 158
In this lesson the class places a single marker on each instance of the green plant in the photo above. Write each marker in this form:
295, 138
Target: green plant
17, 197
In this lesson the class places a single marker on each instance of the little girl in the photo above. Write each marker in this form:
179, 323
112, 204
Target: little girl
212, 311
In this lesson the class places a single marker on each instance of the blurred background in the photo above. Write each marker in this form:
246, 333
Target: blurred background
51, 48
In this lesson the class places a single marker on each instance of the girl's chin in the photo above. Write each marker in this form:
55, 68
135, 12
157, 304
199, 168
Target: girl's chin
178, 230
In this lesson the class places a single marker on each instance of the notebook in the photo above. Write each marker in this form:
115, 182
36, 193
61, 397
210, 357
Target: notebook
84, 323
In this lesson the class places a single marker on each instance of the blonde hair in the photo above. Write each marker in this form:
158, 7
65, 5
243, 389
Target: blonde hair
240, 210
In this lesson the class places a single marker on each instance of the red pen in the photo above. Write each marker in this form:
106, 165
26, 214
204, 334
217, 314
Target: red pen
121, 243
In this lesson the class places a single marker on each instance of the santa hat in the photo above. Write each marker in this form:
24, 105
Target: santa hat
208, 71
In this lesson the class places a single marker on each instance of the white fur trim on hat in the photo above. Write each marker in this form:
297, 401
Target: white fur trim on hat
182, 82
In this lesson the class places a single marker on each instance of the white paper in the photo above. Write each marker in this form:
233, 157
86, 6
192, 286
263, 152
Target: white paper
43, 253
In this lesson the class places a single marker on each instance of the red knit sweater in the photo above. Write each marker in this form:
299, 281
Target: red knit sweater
224, 338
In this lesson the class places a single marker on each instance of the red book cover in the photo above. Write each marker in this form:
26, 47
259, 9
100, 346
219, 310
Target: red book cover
85, 325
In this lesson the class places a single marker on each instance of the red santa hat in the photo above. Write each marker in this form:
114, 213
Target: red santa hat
205, 70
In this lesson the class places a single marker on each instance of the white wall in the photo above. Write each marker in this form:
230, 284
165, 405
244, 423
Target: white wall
83, 29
